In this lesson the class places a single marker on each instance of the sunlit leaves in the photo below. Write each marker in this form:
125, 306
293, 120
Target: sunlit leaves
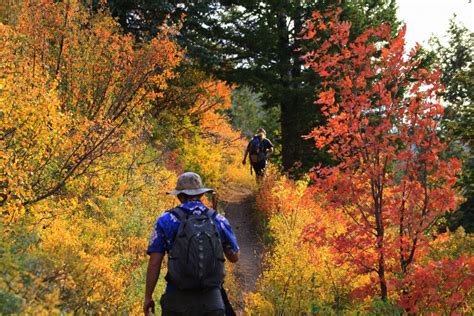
74, 95
73, 83
300, 277
391, 181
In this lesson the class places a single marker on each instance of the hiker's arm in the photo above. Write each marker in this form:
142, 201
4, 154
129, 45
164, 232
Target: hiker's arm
269, 149
245, 155
153, 272
231, 255
152, 275
229, 240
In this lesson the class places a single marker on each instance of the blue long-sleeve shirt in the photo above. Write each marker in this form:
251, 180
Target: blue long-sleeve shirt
167, 226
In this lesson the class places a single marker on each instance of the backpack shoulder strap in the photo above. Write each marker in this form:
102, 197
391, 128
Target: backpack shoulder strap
212, 214
179, 213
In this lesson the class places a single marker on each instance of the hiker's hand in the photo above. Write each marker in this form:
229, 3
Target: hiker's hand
149, 304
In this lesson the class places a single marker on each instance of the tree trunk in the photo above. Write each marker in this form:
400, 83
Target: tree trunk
382, 280
293, 123
287, 116
377, 194
299, 114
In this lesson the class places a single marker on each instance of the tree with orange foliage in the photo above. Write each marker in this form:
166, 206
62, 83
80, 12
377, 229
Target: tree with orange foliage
391, 180
102, 80
75, 94
82, 153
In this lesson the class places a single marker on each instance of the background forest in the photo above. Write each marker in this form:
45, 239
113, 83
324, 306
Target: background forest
368, 203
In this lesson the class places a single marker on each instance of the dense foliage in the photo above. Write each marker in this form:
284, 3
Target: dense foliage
89, 143
366, 228
306, 277
454, 56
104, 103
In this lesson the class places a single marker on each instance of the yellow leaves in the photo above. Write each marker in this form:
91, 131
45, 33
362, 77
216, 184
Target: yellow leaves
203, 158
256, 304
450, 245
30, 119
91, 233
80, 182
83, 249
63, 104
122, 189
299, 276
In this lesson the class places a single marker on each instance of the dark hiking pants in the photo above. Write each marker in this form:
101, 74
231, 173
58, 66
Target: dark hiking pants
259, 167
184, 303
229, 310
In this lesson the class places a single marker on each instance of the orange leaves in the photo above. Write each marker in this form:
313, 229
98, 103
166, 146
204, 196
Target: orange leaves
327, 97
385, 148
310, 30
321, 25
73, 90
443, 286
348, 82
324, 73
100, 68
300, 266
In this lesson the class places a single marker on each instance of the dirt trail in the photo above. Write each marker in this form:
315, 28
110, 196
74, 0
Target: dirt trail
238, 206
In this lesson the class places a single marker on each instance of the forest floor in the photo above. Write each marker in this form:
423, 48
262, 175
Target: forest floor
238, 204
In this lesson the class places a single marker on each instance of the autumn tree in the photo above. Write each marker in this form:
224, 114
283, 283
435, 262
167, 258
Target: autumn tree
72, 84
75, 96
391, 181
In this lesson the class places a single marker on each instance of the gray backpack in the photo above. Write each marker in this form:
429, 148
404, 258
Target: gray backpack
196, 260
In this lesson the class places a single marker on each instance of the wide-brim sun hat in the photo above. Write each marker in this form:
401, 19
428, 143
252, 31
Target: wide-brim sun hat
190, 183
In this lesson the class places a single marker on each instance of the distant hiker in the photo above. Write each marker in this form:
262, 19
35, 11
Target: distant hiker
258, 149
196, 240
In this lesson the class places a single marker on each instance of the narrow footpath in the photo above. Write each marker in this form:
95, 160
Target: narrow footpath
238, 206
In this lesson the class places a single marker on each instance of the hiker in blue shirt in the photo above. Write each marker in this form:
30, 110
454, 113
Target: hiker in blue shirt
196, 240
258, 150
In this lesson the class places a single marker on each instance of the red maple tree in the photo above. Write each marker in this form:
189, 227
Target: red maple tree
391, 179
